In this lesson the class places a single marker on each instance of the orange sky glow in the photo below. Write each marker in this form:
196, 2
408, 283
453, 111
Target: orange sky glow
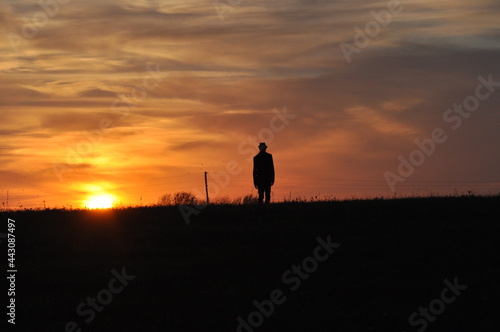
124, 101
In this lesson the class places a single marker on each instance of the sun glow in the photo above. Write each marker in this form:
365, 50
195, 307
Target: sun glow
100, 201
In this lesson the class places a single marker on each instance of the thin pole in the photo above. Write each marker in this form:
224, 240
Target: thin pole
206, 187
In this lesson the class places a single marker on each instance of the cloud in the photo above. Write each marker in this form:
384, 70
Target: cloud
76, 121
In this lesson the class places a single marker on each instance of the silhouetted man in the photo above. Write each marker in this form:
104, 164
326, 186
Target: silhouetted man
263, 173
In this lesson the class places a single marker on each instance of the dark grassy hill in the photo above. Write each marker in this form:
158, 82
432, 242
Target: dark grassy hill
393, 258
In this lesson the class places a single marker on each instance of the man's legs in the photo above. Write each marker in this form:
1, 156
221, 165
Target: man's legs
267, 191
261, 193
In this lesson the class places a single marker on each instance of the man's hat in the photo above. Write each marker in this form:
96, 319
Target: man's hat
262, 145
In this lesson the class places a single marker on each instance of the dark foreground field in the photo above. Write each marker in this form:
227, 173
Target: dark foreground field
394, 257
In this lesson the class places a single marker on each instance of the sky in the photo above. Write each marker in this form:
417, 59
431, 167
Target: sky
136, 99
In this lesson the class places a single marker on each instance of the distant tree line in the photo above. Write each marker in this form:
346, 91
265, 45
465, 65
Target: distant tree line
187, 198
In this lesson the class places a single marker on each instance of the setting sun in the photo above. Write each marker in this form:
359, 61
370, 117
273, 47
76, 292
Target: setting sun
101, 201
